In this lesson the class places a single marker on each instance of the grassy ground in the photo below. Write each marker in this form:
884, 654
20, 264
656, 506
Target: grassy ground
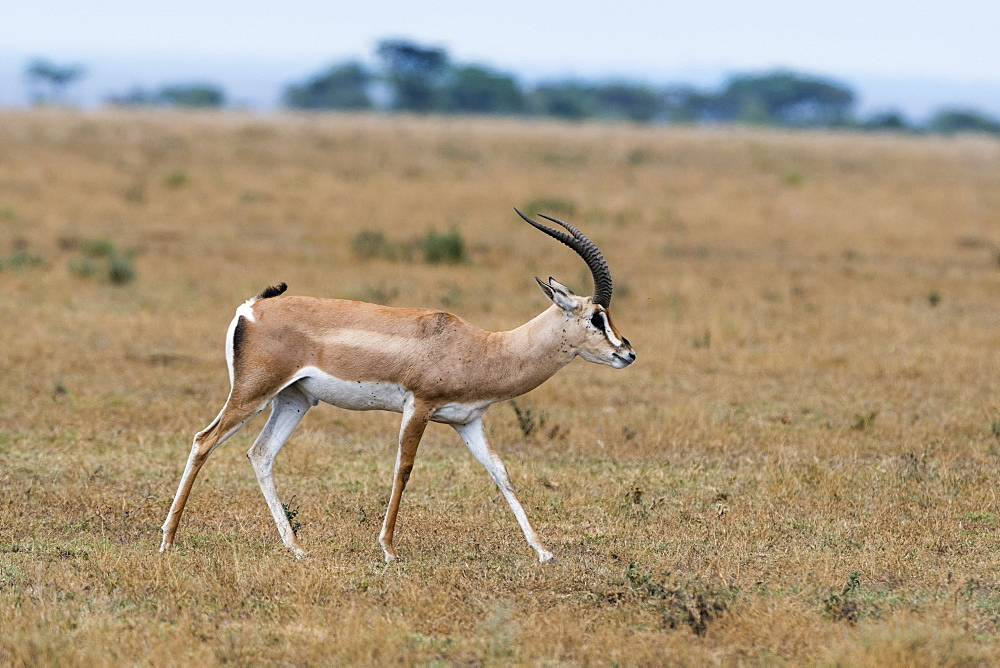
799, 468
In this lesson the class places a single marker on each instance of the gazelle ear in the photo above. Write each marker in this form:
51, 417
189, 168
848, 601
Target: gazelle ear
558, 293
559, 286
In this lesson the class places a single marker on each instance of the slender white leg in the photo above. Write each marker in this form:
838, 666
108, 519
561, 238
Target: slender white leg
475, 438
228, 422
287, 410
415, 416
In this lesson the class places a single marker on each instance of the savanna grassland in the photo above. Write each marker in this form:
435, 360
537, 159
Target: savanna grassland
802, 466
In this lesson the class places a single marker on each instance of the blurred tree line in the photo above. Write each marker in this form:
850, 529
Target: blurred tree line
416, 78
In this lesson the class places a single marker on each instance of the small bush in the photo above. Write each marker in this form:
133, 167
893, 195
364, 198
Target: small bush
434, 247
368, 245
100, 259
448, 247
82, 267
20, 259
120, 269
97, 247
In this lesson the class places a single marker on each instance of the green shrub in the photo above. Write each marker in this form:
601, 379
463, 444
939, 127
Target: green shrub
434, 247
99, 258
368, 245
20, 258
448, 247
120, 268
97, 247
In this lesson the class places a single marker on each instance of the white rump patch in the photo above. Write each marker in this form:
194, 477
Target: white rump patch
246, 309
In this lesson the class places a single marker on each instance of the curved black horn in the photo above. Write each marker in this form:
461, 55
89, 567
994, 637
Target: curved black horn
586, 249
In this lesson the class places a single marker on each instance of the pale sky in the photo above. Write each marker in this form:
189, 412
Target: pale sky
656, 41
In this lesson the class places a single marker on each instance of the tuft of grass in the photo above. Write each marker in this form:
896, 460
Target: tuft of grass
864, 420
527, 420
175, 178
369, 244
852, 603
692, 601
793, 178
291, 514
97, 247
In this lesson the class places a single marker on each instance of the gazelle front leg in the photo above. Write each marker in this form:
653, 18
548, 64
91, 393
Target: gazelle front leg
475, 438
415, 417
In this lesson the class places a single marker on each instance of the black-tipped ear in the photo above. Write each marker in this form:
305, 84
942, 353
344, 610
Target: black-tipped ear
559, 286
545, 287
556, 295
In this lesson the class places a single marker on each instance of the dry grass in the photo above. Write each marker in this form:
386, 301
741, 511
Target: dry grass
801, 466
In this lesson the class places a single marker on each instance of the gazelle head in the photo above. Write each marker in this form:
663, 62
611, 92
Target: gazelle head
588, 326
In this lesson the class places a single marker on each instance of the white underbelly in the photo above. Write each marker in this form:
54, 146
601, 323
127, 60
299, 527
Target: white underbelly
363, 395
354, 395
458, 413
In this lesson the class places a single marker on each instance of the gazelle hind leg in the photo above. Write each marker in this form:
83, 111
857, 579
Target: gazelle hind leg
287, 410
227, 423
475, 439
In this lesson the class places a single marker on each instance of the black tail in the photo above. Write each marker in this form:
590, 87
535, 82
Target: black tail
272, 291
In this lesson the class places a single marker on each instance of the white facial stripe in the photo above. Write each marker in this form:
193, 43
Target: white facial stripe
615, 341
608, 332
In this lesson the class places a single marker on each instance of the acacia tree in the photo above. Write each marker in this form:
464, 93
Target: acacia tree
785, 98
341, 86
414, 72
480, 90
49, 80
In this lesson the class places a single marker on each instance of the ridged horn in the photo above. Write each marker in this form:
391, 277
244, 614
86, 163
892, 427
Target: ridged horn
586, 249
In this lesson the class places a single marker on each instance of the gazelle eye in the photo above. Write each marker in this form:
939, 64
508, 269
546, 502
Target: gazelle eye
597, 321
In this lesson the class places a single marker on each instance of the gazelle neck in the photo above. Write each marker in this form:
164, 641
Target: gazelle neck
529, 355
